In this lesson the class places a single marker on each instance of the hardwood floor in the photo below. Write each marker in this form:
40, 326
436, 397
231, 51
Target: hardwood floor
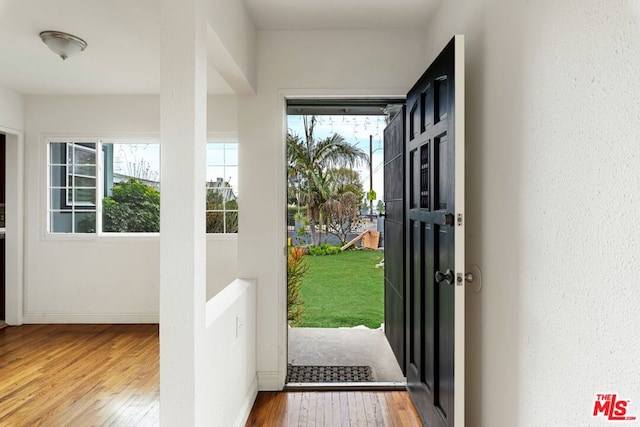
79, 375
349, 408
108, 375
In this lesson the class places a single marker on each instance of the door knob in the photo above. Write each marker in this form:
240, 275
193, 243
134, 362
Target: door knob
447, 275
447, 220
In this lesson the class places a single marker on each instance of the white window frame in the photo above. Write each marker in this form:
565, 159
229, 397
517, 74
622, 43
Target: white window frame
224, 139
70, 173
50, 187
99, 141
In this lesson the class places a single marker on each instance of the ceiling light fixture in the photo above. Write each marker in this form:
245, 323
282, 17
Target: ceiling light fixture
62, 44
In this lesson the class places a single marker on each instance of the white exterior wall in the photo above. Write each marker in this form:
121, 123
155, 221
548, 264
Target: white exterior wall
102, 279
552, 206
304, 63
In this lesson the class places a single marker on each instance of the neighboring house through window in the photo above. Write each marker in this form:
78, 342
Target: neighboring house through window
222, 188
100, 185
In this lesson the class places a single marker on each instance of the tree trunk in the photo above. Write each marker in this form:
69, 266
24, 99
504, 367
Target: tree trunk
311, 214
319, 227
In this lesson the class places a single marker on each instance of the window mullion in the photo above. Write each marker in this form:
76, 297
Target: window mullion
99, 185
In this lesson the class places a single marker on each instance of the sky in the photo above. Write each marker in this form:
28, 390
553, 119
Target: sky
130, 159
356, 130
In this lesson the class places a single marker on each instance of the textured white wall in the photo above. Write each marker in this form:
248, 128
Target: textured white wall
69, 280
312, 63
580, 209
552, 206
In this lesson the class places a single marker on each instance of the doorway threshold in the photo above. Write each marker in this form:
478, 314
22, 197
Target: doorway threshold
346, 347
333, 386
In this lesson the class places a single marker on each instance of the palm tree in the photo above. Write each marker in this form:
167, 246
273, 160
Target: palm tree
311, 160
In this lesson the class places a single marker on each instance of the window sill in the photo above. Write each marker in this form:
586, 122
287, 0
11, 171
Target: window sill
105, 237
129, 237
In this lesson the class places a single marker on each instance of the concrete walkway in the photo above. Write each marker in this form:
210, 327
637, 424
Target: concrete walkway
347, 347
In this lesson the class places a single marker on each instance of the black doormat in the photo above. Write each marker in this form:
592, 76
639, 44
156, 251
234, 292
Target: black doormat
329, 374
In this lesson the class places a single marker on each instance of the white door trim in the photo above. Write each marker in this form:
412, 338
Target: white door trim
14, 237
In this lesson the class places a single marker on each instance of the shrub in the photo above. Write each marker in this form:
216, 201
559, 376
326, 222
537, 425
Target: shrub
324, 249
296, 269
333, 250
133, 207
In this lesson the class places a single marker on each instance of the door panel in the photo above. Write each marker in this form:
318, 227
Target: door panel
394, 283
435, 241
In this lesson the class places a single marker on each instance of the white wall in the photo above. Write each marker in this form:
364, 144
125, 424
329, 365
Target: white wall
101, 279
230, 374
232, 44
11, 109
311, 63
552, 206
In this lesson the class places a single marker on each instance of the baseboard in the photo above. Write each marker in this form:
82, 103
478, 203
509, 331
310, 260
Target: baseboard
247, 404
270, 381
40, 318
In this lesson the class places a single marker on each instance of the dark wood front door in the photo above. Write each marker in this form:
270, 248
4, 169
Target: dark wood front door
434, 220
394, 283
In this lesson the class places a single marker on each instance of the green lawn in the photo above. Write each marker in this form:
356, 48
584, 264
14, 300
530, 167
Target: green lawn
343, 290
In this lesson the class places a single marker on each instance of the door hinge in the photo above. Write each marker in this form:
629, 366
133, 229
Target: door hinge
459, 219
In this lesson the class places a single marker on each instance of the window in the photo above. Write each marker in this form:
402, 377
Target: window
72, 187
108, 186
222, 188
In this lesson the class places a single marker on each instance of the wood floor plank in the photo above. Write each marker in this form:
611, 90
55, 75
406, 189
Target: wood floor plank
372, 409
344, 409
293, 409
261, 416
304, 409
330, 410
278, 414
316, 411
362, 415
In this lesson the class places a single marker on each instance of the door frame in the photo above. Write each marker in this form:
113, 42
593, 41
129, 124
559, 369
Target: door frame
14, 237
459, 237
278, 380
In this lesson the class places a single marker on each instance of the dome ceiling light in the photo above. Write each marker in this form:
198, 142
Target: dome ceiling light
63, 44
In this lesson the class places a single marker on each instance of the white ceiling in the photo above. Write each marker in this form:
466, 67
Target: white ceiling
123, 38
340, 14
